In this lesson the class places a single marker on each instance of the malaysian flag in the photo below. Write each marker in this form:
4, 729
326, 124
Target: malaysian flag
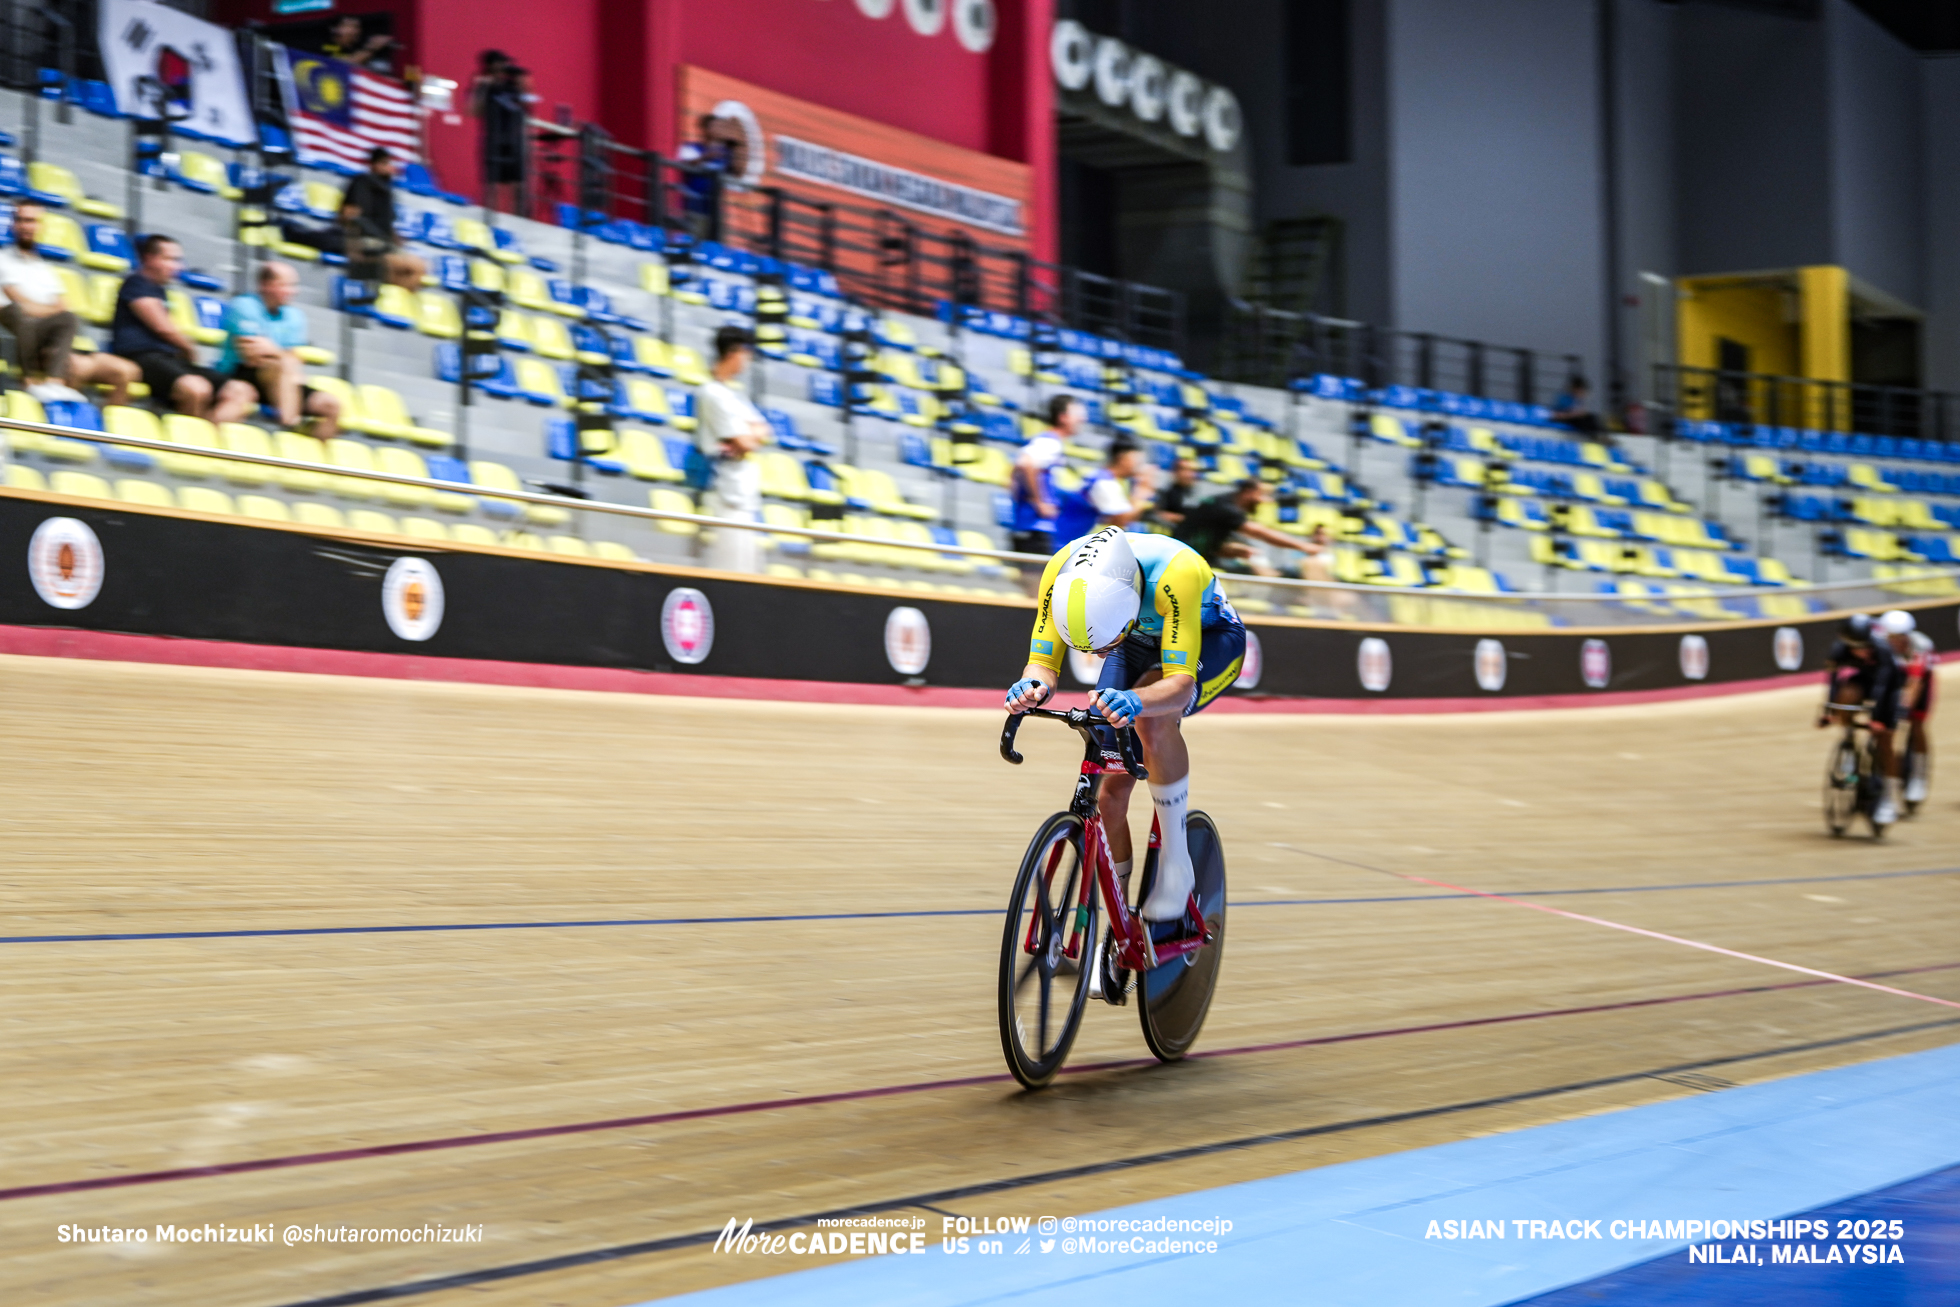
339, 112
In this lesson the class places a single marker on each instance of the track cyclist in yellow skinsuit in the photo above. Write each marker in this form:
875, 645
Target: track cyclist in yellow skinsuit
1172, 645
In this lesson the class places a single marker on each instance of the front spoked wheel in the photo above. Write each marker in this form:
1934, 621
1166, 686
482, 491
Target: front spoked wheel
1842, 784
1174, 997
1046, 952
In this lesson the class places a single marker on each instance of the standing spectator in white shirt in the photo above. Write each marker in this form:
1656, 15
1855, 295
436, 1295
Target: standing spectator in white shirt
730, 430
38, 314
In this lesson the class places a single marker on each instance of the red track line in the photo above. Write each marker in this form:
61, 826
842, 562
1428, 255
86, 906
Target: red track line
110, 646
843, 1096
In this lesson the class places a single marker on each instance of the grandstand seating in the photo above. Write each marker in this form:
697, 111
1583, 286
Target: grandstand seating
927, 452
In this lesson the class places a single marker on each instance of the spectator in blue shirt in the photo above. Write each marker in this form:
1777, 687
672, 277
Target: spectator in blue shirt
263, 333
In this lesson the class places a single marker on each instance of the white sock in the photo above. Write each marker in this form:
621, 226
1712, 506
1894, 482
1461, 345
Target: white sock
1123, 878
1174, 878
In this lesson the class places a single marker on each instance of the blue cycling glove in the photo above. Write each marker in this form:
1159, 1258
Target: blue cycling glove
1019, 688
1119, 703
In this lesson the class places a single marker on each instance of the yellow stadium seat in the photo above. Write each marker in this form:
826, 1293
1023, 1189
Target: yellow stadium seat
537, 377
422, 528
372, 522
132, 491
495, 476
84, 485
264, 508
407, 463
782, 476
355, 457
57, 180
22, 477
200, 168
300, 449
314, 356
185, 317
485, 275
673, 501
62, 233
396, 305
653, 353
570, 546
436, 315
645, 456
203, 499
550, 340
322, 197
653, 277
23, 407
243, 438
308, 513
688, 368
469, 533
514, 329
181, 429
385, 415
613, 551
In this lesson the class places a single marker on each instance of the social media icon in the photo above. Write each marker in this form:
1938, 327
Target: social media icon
1048, 1245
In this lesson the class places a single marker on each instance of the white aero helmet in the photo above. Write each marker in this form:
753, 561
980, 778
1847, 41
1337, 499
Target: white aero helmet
1896, 622
1098, 591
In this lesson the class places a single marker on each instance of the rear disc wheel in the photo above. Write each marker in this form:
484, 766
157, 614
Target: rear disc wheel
1172, 999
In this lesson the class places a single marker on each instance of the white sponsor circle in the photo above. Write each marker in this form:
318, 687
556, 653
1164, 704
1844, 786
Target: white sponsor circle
908, 641
687, 625
1374, 664
412, 598
65, 563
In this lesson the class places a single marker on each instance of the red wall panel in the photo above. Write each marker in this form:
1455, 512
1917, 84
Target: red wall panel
618, 62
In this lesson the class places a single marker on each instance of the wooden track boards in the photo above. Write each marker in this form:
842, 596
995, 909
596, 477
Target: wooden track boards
144, 800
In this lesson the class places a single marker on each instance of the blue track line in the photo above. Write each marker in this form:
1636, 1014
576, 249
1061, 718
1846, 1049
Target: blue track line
920, 912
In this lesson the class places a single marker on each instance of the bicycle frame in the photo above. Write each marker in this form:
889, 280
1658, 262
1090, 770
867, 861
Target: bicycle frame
1135, 950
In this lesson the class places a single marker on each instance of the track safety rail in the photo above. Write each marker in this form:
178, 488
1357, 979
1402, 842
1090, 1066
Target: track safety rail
1342, 600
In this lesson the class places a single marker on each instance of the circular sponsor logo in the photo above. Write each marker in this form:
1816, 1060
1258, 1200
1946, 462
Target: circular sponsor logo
1374, 665
1254, 664
1595, 664
1788, 648
1491, 665
1085, 667
411, 598
908, 641
687, 625
1694, 657
64, 561
926, 16
974, 23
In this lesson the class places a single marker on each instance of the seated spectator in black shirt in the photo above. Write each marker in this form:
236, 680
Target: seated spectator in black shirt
1211, 528
367, 211
143, 333
1573, 408
1175, 499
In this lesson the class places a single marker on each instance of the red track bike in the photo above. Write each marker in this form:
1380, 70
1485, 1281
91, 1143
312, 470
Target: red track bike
1052, 961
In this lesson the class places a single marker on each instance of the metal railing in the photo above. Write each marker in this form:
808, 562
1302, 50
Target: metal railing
1345, 602
881, 257
1273, 347
1766, 400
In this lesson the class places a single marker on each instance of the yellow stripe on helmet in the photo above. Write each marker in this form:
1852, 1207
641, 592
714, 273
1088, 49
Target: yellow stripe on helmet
1076, 624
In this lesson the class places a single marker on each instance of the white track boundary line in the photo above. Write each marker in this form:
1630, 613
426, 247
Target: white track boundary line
1661, 935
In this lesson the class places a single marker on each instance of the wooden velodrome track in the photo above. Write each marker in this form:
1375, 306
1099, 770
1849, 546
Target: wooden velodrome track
151, 801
